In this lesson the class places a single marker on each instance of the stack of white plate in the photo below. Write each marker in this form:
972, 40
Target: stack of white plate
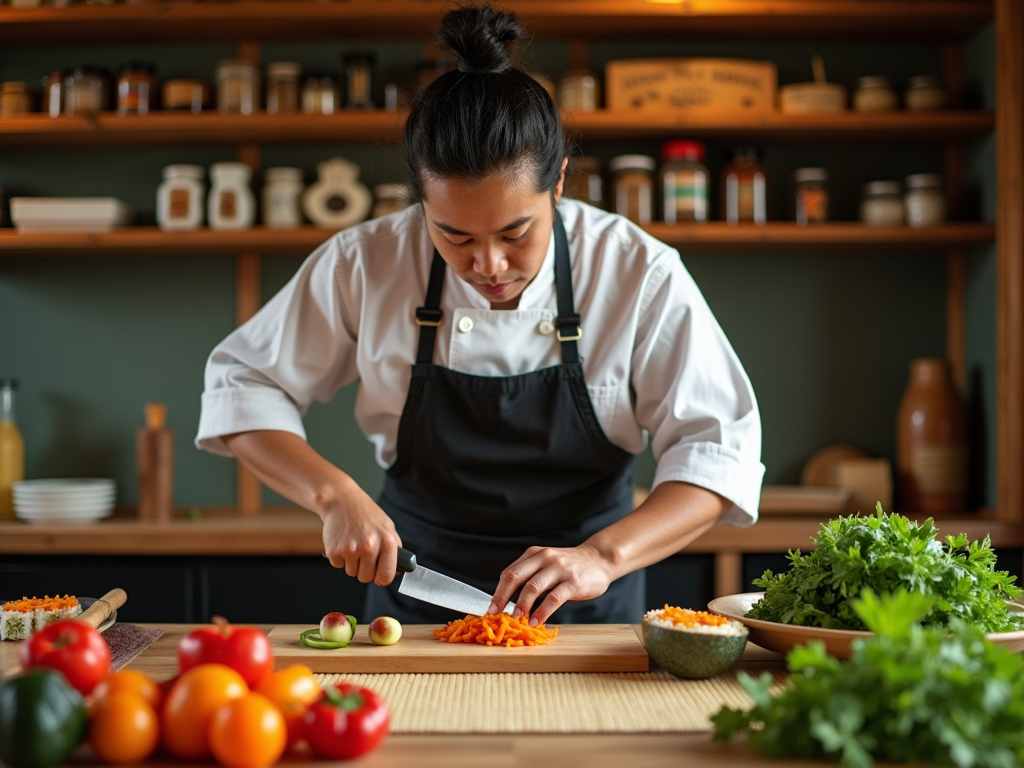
64, 500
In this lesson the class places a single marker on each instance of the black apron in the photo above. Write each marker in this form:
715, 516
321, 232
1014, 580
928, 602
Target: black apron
488, 466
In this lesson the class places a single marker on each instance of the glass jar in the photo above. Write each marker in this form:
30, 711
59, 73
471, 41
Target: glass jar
810, 196
881, 204
874, 94
578, 91
320, 94
53, 93
179, 198
633, 187
390, 198
744, 187
282, 196
183, 95
282, 87
238, 87
85, 91
136, 88
583, 181
14, 99
684, 182
358, 75
925, 201
231, 204
924, 93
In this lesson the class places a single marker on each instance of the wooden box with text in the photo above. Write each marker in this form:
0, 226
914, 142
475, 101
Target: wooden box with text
692, 85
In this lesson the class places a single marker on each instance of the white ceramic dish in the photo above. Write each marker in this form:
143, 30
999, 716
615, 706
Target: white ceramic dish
64, 517
62, 485
75, 503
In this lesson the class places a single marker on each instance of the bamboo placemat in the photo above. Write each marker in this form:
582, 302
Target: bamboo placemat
649, 702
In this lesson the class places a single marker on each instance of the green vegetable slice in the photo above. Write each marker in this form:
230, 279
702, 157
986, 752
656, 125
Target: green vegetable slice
311, 637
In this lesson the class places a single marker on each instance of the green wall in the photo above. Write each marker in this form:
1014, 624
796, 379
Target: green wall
826, 337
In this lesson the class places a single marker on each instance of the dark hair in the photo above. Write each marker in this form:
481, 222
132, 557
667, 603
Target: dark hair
484, 116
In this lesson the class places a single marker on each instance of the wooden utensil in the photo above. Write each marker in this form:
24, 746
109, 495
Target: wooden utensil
100, 611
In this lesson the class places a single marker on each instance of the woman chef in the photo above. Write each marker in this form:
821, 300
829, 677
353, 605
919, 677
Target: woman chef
514, 351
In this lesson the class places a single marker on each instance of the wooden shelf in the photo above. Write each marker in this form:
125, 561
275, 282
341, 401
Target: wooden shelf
713, 236
189, 21
174, 128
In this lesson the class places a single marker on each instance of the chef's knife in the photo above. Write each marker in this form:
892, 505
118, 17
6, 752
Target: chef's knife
438, 589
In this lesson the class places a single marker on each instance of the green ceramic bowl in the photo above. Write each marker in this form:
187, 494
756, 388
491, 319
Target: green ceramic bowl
692, 655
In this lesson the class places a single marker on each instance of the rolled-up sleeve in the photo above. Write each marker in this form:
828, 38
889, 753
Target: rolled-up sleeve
300, 347
692, 395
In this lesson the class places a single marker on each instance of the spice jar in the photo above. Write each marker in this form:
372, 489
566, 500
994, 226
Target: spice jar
389, 198
183, 95
874, 94
924, 93
684, 182
282, 87
633, 187
577, 91
358, 73
231, 204
744, 187
583, 181
179, 199
53, 93
925, 201
238, 87
282, 198
881, 204
14, 99
320, 94
85, 91
136, 88
810, 195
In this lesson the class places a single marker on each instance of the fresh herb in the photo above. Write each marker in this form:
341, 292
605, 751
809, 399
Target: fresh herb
885, 552
937, 695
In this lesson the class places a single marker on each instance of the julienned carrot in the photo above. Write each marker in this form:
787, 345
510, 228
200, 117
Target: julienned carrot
495, 629
689, 618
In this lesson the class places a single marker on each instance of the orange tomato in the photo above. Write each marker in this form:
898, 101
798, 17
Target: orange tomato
124, 729
291, 690
248, 733
191, 704
129, 681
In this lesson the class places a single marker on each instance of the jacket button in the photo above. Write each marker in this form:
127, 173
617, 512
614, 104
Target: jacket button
466, 324
546, 327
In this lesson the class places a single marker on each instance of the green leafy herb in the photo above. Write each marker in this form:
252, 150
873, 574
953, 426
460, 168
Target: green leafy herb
885, 552
937, 695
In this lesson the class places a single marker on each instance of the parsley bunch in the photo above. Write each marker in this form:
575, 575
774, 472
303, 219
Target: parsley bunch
938, 695
885, 552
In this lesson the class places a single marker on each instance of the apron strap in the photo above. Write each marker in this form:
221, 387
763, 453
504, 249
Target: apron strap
428, 317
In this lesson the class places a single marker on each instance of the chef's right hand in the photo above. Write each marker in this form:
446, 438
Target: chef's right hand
361, 538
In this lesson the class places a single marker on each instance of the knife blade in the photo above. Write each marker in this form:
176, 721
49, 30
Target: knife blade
436, 588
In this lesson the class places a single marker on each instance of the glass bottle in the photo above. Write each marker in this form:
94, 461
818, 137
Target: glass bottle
684, 182
810, 196
282, 87
320, 94
744, 188
12, 448
358, 72
238, 87
85, 91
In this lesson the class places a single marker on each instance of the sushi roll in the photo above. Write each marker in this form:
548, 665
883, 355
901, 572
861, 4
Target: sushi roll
52, 609
16, 619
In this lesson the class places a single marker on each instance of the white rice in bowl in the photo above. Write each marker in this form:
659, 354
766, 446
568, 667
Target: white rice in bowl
697, 622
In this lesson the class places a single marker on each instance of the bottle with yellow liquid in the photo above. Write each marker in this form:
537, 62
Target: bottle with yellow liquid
12, 449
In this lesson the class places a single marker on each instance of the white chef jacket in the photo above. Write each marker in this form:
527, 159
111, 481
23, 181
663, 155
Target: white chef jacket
656, 362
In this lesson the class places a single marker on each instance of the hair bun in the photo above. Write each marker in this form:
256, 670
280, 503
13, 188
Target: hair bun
481, 37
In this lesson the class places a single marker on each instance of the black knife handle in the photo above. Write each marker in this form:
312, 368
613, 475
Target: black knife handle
406, 561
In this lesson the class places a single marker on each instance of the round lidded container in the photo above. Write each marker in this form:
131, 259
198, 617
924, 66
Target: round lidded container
231, 204
14, 99
136, 88
633, 187
874, 93
810, 196
744, 187
238, 87
925, 201
179, 198
320, 95
390, 198
184, 95
583, 180
282, 87
881, 204
577, 91
282, 198
924, 93
684, 182
85, 91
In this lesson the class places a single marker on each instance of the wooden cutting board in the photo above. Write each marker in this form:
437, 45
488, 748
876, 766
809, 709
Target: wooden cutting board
578, 648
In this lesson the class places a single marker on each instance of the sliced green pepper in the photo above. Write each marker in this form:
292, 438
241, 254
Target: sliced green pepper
42, 719
311, 637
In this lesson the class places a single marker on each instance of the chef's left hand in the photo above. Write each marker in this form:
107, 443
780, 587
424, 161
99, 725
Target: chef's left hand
576, 573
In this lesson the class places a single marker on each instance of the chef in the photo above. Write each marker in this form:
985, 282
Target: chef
514, 351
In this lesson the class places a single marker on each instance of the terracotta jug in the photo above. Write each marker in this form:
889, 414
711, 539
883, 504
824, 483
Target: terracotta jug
931, 441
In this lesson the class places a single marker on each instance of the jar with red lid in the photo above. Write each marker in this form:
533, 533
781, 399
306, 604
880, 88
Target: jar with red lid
684, 182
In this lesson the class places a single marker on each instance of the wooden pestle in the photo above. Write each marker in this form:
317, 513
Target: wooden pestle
101, 610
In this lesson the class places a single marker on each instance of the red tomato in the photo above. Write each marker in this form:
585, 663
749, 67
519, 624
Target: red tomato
74, 649
245, 649
345, 722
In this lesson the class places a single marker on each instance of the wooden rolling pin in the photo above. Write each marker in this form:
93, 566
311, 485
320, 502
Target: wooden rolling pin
101, 610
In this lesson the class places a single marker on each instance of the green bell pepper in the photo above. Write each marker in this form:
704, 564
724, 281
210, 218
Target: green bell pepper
42, 719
